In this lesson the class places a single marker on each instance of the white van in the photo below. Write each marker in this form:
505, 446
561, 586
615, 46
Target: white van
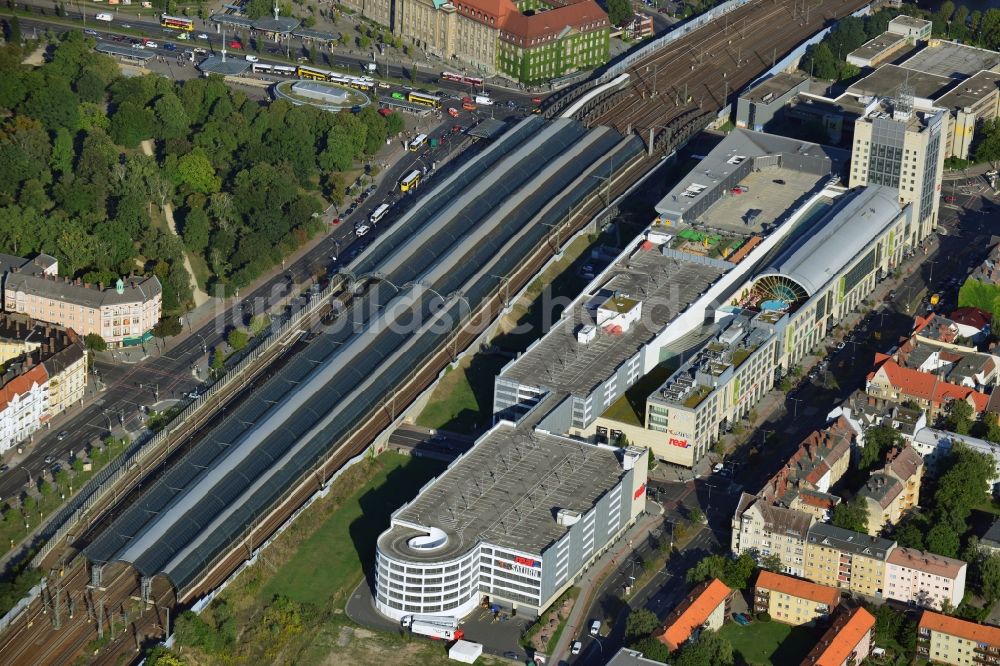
379, 213
252, 58
595, 628
104, 16
484, 100
361, 230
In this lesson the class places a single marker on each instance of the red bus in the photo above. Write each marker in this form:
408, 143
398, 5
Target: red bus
177, 23
462, 78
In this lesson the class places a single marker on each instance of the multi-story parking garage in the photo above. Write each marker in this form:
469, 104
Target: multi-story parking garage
515, 519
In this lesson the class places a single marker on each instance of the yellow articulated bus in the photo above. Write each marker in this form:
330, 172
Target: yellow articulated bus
410, 182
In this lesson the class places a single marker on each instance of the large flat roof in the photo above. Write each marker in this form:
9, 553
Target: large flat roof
887, 80
776, 86
970, 91
722, 162
875, 47
507, 491
665, 286
952, 59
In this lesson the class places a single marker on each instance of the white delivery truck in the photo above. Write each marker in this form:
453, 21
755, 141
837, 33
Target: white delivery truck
104, 16
361, 229
379, 214
484, 100
443, 628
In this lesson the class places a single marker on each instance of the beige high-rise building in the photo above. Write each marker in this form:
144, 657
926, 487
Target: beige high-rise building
902, 148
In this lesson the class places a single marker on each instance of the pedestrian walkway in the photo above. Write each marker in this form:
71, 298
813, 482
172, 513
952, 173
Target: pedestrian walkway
590, 581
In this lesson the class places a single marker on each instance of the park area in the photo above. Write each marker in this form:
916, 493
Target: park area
288, 608
766, 643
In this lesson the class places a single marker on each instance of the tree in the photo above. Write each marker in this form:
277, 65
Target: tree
197, 172
196, 228
131, 124
771, 562
911, 534
710, 649
852, 515
218, 360
163, 656
95, 342
987, 148
960, 417
989, 577
652, 648
619, 11
640, 624
879, 440
943, 540
13, 33
237, 338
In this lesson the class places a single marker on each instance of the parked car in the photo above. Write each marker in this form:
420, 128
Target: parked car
717, 468
236, 44
577, 647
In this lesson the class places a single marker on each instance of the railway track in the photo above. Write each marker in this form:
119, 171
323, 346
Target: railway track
32, 638
707, 67
657, 97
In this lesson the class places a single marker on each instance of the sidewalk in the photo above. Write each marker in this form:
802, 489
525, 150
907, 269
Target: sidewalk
590, 581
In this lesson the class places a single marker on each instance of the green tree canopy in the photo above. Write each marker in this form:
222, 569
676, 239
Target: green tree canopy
879, 440
710, 649
641, 623
852, 515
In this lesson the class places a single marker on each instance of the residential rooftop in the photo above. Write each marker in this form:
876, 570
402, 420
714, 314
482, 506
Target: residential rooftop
856, 543
796, 587
777, 518
910, 21
507, 490
881, 488
560, 362
693, 611
837, 644
926, 561
953, 626
951, 59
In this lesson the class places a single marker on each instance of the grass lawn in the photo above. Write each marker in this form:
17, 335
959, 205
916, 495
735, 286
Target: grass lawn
327, 566
631, 407
765, 643
463, 399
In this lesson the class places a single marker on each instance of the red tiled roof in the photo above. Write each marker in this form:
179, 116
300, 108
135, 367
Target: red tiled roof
22, 384
953, 626
973, 317
706, 599
924, 385
802, 589
530, 30
840, 640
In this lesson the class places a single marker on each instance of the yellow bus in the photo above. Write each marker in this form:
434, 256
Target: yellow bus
418, 142
424, 98
312, 73
410, 182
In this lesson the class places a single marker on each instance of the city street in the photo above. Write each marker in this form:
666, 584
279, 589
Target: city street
169, 371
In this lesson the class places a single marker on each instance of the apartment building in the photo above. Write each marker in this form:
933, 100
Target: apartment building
761, 526
45, 372
924, 578
891, 381
949, 640
893, 490
898, 147
705, 607
820, 461
847, 642
792, 600
123, 314
847, 560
